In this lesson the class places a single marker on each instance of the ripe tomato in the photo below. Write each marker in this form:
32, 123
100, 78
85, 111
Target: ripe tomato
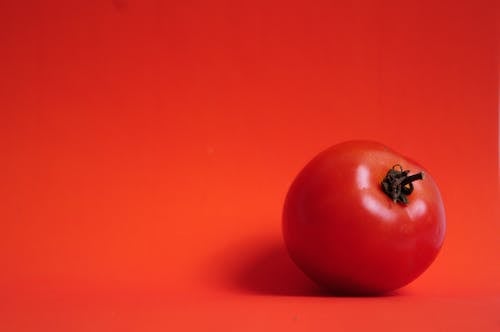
350, 236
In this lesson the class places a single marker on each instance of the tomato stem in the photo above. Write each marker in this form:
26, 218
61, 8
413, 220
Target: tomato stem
397, 184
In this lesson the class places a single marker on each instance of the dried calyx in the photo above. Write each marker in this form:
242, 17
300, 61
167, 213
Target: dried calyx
397, 184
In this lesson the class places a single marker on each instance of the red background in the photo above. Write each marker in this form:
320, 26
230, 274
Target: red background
147, 146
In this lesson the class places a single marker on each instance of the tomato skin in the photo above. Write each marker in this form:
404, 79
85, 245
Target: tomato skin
346, 234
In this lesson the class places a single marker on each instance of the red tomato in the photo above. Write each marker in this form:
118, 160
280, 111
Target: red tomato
350, 236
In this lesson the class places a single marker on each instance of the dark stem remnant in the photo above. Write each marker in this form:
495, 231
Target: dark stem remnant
398, 185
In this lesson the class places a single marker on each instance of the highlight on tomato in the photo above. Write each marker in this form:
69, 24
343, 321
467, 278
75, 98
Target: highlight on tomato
361, 219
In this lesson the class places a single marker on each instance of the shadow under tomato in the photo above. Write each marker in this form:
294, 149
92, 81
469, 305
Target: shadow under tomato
263, 267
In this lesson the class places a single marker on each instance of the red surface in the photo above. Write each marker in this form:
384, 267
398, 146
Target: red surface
147, 146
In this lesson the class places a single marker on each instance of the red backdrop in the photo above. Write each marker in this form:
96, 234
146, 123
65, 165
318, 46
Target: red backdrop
147, 146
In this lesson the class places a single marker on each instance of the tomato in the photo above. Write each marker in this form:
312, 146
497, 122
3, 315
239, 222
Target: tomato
346, 233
